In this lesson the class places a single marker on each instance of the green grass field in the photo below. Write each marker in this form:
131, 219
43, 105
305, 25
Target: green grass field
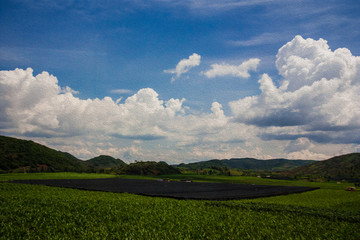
259, 181
41, 212
59, 175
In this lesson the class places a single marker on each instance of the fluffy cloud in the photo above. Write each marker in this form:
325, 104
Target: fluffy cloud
184, 66
36, 106
241, 70
313, 112
318, 96
299, 144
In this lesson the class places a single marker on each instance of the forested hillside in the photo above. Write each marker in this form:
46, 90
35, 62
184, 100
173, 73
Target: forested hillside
339, 167
248, 164
24, 155
104, 161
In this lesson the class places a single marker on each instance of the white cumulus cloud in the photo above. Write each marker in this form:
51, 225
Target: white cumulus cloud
241, 70
184, 66
312, 112
37, 107
318, 96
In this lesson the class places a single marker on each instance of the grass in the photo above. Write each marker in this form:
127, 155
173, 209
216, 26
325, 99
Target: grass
57, 175
194, 177
259, 181
41, 212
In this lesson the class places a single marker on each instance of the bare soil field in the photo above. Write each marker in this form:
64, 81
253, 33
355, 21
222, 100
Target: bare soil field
178, 190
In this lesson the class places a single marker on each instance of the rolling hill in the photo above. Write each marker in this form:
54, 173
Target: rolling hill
149, 168
248, 164
18, 155
104, 161
30, 156
337, 168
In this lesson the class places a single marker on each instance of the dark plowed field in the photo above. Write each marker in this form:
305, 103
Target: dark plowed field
179, 190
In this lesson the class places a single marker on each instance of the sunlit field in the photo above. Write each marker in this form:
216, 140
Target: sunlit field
42, 212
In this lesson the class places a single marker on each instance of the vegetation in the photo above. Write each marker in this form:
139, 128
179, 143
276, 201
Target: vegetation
336, 168
148, 168
57, 175
104, 164
259, 181
247, 164
41, 212
266, 165
26, 156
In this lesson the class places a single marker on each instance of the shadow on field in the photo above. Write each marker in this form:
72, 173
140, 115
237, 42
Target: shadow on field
178, 190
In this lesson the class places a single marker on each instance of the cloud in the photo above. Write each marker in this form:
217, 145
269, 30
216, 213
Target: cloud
36, 106
121, 91
299, 145
312, 112
212, 6
241, 70
265, 38
318, 95
184, 66
307, 155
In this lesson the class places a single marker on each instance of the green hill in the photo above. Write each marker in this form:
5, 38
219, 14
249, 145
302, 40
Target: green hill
104, 161
148, 168
337, 168
215, 163
24, 155
18, 155
267, 165
248, 164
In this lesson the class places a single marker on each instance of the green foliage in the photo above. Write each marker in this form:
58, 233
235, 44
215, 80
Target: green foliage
260, 181
57, 175
246, 164
41, 212
202, 165
104, 164
148, 168
104, 161
21, 156
336, 168
27, 156
266, 165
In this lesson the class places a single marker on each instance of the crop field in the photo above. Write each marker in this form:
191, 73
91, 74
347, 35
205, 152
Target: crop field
44, 212
178, 189
59, 175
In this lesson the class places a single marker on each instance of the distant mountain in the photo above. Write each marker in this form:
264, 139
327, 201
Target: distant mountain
339, 167
104, 161
23, 155
267, 165
215, 163
30, 156
248, 164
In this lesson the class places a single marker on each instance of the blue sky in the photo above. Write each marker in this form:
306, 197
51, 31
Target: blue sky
135, 50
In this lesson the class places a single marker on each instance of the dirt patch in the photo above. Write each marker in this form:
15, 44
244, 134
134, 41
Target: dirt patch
178, 190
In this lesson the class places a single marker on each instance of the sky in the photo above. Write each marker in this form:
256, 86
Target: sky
182, 81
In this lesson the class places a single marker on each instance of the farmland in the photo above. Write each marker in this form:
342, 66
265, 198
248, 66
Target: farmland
43, 212
172, 189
